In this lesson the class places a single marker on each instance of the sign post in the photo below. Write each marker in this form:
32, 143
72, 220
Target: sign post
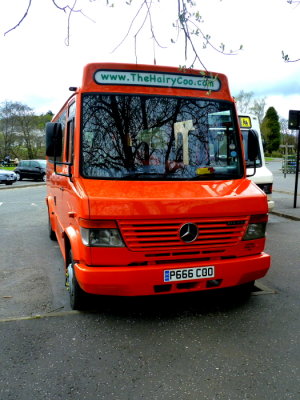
294, 124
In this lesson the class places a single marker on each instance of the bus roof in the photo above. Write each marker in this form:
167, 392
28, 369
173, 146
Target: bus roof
154, 79
151, 79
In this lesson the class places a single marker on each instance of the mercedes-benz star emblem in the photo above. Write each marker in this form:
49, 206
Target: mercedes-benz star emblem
188, 232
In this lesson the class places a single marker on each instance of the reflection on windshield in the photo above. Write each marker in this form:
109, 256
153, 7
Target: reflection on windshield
148, 137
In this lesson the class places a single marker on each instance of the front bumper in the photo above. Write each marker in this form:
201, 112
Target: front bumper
270, 203
148, 280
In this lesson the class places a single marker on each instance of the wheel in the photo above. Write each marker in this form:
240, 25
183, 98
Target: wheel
8, 183
78, 297
19, 178
246, 288
52, 234
44, 178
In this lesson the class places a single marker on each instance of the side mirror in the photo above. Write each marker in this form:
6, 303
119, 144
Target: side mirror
253, 145
252, 150
53, 139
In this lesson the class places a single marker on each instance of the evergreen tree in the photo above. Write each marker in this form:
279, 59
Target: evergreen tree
270, 128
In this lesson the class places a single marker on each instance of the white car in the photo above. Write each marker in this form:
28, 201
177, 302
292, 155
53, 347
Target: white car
7, 177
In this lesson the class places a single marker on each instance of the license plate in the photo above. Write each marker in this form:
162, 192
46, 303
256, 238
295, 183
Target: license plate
184, 274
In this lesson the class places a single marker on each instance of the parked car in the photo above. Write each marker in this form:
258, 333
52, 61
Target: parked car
7, 177
31, 169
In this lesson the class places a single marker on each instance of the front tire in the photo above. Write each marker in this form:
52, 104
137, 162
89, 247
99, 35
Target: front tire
242, 292
51, 233
78, 297
19, 178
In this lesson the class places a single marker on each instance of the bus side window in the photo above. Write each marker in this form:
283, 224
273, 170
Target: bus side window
70, 133
70, 136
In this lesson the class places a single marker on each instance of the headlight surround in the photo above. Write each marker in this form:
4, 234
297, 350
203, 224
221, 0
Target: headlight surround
100, 234
256, 227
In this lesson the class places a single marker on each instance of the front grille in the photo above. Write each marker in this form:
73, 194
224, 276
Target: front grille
146, 235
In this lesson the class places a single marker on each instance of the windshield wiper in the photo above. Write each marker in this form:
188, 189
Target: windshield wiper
143, 175
213, 177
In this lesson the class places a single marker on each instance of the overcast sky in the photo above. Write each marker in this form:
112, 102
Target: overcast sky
37, 67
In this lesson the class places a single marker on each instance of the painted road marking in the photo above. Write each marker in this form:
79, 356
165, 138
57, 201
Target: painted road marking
40, 316
260, 288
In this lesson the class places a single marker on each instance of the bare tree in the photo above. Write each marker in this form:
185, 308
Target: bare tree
7, 128
248, 104
25, 123
188, 25
21, 131
285, 56
244, 100
258, 108
67, 9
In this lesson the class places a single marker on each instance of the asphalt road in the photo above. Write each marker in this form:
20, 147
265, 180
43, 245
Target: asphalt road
184, 347
282, 183
23, 183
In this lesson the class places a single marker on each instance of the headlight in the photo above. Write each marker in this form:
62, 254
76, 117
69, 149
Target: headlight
266, 187
101, 237
257, 227
99, 233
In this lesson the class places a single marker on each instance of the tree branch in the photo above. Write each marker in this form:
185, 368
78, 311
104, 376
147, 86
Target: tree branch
67, 39
65, 9
286, 58
130, 26
187, 23
183, 21
21, 20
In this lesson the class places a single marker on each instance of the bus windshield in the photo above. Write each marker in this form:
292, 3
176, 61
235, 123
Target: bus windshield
140, 137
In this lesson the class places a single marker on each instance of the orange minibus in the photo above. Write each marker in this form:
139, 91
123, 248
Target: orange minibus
147, 191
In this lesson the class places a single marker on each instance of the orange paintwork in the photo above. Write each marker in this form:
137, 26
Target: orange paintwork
124, 271
175, 199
